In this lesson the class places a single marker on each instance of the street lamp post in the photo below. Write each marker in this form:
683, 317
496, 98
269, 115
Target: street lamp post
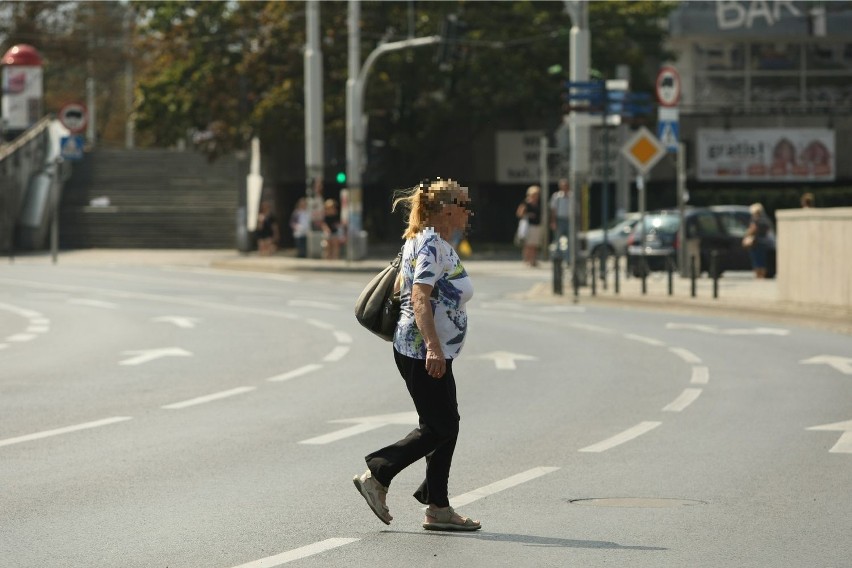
355, 142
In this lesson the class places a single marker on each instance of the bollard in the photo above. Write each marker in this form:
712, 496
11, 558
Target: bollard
557, 275
594, 277
692, 274
575, 281
714, 263
670, 271
617, 271
644, 276
603, 268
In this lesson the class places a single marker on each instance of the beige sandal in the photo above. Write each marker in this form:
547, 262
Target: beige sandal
444, 521
371, 490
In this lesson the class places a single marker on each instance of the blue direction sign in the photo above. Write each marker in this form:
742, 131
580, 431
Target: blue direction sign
72, 147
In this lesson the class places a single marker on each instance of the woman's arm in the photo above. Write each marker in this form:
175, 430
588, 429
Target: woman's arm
436, 364
522, 210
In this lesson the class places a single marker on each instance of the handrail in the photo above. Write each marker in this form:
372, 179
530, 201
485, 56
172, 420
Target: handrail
8, 149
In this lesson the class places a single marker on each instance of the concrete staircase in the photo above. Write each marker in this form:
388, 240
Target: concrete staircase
149, 199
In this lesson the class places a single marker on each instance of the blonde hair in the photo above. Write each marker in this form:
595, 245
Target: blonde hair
425, 200
532, 190
756, 209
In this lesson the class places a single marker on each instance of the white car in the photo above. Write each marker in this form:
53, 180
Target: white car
592, 242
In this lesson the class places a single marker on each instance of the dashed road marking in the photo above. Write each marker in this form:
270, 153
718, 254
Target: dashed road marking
336, 354
685, 354
618, 439
298, 553
294, 373
65, 430
700, 375
208, 398
687, 397
643, 339
501, 485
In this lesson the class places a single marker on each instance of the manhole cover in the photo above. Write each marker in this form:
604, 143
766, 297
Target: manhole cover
636, 502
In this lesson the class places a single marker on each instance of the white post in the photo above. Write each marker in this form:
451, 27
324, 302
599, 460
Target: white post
681, 206
353, 129
579, 135
314, 159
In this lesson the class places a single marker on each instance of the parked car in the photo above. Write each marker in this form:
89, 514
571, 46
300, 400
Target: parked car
618, 231
717, 228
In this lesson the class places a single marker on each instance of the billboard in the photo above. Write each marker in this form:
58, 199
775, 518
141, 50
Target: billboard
765, 154
22, 95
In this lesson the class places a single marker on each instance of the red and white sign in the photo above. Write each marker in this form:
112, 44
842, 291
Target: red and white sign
74, 117
668, 86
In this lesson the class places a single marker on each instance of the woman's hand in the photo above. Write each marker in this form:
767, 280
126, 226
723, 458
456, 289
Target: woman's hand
436, 364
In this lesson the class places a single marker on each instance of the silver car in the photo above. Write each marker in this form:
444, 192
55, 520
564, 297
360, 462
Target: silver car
592, 242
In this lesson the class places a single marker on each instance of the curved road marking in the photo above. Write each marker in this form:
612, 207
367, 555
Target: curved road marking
295, 373
685, 354
700, 375
687, 397
208, 398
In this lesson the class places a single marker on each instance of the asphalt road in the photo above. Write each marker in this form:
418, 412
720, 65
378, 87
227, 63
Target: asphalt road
158, 416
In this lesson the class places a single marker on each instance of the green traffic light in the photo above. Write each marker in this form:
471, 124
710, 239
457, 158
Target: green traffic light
341, 177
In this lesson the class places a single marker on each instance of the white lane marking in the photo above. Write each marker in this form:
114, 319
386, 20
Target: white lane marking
38, 329
618, 439
502, 485
23, 312
320, 324
3, 345
234, 274
313, 304
363, 424
685, 354
336, 354
643, 339
712, 329
93, 303
842, 364
298, 553
180, 321
295, 373
208, 398
687, 397
700, 375
40, 321
340, 434
20, 337
844, 444
563, 309
505, 361
66, 430
146, 355
342, 337
595, 328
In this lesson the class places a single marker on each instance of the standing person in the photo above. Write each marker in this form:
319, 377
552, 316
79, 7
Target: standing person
333, 229
300, 224
756, 239
267, 229
530, 209
560, 214
434, 288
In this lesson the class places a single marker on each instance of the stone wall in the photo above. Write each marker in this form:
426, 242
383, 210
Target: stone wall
815, 256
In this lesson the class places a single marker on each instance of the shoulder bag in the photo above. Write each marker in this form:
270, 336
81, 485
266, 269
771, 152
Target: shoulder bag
378, 306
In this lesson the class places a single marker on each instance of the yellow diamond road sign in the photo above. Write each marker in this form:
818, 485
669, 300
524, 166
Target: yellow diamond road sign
643, 150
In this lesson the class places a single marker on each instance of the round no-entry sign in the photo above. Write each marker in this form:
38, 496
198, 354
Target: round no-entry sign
668, 86
74, 117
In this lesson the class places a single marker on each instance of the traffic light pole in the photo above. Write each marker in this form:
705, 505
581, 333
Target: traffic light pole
314, 162
355, 140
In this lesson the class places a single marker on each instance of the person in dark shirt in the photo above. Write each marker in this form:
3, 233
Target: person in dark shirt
332, 229
757, 239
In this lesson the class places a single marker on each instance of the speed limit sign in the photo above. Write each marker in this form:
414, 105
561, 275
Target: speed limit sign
74, 117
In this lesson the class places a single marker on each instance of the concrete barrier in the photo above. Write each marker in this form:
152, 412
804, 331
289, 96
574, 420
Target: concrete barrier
815, 256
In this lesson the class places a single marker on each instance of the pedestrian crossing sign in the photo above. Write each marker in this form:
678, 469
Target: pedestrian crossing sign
668, 131
72, 147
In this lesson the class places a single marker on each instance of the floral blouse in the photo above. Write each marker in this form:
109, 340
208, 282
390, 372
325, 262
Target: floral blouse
429, 259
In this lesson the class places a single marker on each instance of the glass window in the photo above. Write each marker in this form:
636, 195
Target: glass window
775, 56
829, 92
718, 57
719, 91
829, 56
707, 225
735, 224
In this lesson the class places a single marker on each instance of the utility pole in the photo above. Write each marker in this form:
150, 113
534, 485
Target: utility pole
314, 159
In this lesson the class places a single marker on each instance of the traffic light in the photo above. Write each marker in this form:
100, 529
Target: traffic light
341, 177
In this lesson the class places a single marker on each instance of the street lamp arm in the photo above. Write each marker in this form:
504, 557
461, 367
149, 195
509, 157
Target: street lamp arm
387, 48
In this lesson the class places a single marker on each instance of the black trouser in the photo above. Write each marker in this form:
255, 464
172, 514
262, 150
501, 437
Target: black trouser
434, 439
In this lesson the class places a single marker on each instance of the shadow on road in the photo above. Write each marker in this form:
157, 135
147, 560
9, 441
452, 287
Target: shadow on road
531, 540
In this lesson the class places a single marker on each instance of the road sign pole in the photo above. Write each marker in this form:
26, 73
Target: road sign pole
681, 206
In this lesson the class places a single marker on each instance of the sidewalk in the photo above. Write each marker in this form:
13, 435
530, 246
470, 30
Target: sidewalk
739, 294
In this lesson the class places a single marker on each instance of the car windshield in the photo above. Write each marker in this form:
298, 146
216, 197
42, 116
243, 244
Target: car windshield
666, 223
